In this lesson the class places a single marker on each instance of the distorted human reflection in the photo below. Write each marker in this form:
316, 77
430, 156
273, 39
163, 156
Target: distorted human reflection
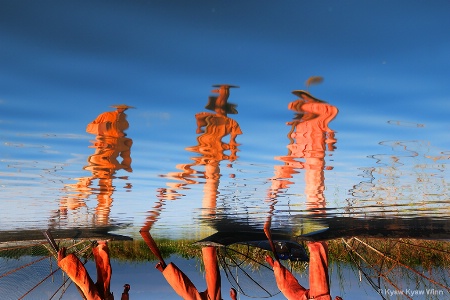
180, 283
75, 269
211, 149
212, 127
112, 153
310, 138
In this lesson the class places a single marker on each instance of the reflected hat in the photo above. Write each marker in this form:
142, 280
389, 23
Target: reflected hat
225, 85
300, 94
122, 106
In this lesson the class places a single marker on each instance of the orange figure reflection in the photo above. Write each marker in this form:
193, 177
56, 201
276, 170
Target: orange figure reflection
111, 141
111, 123
212, 129
310, 139
318, 276
111, 145
181, 284
76, 271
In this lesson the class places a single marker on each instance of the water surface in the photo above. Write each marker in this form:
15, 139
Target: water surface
383, 172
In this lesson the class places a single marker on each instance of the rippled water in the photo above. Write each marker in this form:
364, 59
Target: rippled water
374, 160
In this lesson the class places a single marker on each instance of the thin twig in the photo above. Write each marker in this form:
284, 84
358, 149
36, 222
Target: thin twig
403, 265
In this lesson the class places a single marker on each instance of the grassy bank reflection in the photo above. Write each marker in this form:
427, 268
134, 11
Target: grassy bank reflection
410, 252
394, 264
382, 263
